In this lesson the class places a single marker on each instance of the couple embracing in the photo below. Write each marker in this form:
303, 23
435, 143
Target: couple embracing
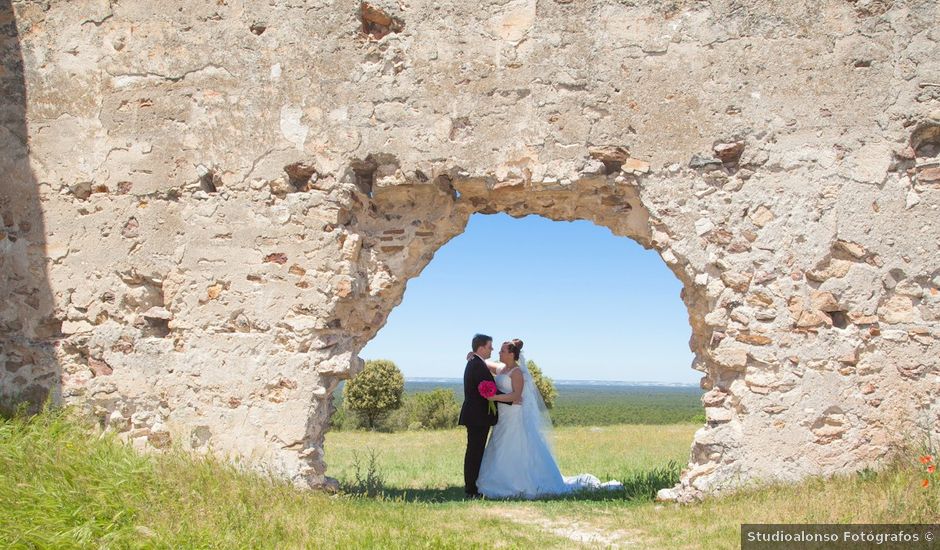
517, 462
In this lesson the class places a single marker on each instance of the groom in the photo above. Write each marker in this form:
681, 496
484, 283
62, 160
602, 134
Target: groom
474, 413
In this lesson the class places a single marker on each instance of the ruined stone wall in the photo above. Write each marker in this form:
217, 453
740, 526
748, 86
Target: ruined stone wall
210, 207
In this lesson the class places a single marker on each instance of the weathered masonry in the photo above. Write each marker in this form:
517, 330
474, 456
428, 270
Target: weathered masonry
208, 208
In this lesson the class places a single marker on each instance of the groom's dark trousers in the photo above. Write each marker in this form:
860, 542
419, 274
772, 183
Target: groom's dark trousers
475, 415
476, 443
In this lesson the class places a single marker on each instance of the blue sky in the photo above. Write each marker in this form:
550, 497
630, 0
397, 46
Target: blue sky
588, 305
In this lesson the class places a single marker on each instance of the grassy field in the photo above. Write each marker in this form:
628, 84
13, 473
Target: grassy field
62, 486
432, 461
589, 405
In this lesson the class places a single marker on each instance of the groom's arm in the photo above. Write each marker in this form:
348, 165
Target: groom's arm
473, 380
480, 373
485, 374
492, 366
515, 396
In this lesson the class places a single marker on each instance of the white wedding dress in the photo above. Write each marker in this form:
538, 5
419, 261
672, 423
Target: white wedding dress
517, 461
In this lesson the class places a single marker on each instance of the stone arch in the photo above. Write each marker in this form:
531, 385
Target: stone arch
745, 323
405, 217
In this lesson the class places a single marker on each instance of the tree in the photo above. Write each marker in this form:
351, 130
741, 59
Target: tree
543, 383
375, 392
434, 410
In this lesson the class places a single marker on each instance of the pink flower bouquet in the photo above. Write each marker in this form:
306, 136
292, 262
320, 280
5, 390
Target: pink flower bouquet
488, 389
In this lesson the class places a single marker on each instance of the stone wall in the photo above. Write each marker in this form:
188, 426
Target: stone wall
209, 208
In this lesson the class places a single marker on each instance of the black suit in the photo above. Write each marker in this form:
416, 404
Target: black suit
475, 415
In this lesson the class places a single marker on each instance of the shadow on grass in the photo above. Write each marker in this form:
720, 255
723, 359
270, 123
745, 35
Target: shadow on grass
638, 486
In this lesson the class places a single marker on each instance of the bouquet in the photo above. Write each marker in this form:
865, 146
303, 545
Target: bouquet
488, 389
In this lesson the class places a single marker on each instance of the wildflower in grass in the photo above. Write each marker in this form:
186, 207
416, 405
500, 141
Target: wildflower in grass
931, 468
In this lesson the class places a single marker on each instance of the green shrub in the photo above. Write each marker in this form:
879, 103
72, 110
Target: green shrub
434, 410
375, 392
543, 383
397, 420
342, 418
430, 410
644, 484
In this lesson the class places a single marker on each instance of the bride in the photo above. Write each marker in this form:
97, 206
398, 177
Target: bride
517, 461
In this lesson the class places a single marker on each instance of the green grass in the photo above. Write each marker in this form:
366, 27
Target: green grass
63, 486
429, 464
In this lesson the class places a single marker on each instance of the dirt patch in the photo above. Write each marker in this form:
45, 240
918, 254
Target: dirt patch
576, 530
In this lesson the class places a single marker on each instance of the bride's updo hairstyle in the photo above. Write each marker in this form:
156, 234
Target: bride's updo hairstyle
515, 347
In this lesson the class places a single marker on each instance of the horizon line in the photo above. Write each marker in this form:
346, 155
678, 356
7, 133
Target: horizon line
565, 380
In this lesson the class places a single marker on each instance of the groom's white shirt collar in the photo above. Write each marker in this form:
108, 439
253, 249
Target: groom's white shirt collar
478, 355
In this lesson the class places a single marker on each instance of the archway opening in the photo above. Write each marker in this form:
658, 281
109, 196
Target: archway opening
600, 316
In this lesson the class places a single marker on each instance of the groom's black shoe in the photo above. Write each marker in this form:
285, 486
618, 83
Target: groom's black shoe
473, 496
